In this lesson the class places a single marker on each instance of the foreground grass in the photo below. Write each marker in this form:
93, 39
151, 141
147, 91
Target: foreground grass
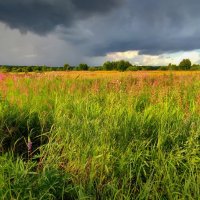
128, 136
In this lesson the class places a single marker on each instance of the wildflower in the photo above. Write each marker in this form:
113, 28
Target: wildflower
29, 145
2, 77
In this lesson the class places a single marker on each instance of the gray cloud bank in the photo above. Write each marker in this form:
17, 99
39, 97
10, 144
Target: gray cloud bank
42, 16
97, 27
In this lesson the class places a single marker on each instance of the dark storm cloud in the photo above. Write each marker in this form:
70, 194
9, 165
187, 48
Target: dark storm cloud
42, 16
153, 27
98, 27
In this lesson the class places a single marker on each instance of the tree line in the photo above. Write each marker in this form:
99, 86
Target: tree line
121, 65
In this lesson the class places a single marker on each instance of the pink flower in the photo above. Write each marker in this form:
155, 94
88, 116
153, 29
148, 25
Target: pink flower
30, 145
156, 83
2, 76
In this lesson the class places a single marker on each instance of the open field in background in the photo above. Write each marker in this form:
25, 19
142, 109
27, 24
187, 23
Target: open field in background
117, 74
100, 135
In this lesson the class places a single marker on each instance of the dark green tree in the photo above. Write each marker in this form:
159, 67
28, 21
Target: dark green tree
66, 67
83, 67
163, 68
195, 67
173, 67
132, 68
185, 64
108, 66
122, 65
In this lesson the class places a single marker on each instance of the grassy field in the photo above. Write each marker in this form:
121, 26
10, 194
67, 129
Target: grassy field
100, 135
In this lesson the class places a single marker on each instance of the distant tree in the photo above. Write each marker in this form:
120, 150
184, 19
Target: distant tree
169, 66
29, 69
132, 68
185, 64
37, 68
5, 69
163, 68
195, 67
122, 65
95, 68
108, 66
83, 67
66, 67
99, 68
44, 68
25, 69
173, 67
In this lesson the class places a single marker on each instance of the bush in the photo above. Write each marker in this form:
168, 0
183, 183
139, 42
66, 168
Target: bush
163, 68
132, 68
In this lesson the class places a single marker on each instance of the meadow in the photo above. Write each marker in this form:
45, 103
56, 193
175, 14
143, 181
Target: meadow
100, 135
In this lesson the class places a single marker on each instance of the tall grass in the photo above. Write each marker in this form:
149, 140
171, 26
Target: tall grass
133, 136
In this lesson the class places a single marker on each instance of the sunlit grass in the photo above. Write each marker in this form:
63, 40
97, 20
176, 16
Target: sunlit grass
100, 135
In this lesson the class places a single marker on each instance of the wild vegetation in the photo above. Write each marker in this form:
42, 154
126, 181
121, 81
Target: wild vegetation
100, 135
121, 65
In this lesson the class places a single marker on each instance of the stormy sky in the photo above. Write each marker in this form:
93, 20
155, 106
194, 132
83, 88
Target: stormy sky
54, 32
